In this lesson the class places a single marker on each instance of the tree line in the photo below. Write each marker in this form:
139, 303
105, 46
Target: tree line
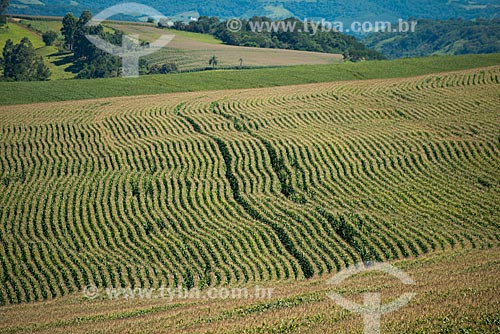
333, 10
4, 4
322, 41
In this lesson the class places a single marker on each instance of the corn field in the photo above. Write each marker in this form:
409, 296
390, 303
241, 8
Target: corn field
227, 188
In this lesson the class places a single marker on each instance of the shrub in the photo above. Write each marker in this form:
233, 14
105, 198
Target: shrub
49, 37
162, 68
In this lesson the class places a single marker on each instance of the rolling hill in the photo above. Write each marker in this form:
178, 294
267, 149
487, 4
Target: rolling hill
55, 61
225, 188
191, 51
50, 91
279, 187
235, 199
434, 37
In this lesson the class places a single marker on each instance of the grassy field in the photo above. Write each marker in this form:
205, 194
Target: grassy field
244, 187
16, 31
149, 32
43, 25
30, 92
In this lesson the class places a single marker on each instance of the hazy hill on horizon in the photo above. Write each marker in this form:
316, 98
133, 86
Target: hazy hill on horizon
359, 10
439, 37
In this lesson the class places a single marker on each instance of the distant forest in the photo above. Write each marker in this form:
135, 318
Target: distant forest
432, 37
347, 11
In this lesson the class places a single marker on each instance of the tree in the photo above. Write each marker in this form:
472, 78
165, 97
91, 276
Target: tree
49, 37
163, 69
82, 47
179, 25
104, 66
21, 63
84, 18
213, 61
3, 6
68, 29
7, 54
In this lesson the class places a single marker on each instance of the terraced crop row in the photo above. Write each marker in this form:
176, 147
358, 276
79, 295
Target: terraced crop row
234, 187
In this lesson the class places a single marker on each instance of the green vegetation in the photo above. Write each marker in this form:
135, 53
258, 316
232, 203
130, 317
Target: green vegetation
190, 51
179, 82
464, 302
203, 38
279, 187
16, 33
341, 10
162, 69
57, 62
257, 32
82, 58
246, 187
3, 6
432, 37
92, 62
19, 62
69, 28
49, 37
42, 25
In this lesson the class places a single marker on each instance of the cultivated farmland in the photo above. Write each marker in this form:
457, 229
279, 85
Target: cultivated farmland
457, 290
191, 51
256, 186
56, 90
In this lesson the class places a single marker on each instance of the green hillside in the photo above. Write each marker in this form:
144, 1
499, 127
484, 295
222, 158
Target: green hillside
16, 32
29, 92
57, 63
262, 184
242, 187
188, 51
332, 10
433, 37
